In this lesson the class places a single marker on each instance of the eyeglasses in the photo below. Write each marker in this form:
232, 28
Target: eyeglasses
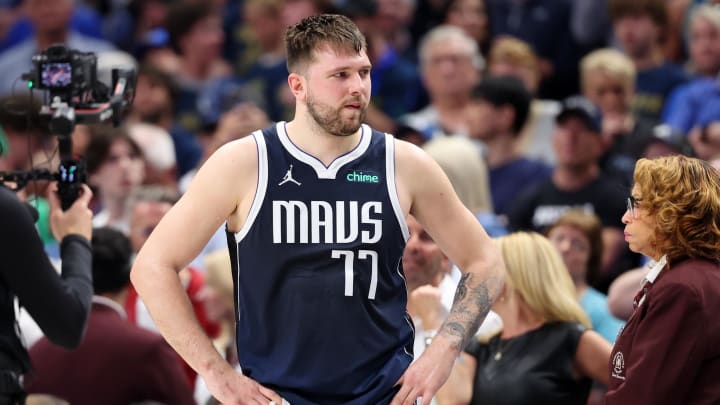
632, 204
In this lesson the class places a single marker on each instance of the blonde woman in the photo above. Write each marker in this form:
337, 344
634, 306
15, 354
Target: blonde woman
545, 352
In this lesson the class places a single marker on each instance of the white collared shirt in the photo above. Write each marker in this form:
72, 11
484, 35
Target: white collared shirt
98, 299
652, 274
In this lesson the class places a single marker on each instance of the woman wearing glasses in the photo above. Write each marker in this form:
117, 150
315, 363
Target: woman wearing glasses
668, 351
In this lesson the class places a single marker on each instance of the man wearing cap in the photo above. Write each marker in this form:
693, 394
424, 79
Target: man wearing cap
577, 182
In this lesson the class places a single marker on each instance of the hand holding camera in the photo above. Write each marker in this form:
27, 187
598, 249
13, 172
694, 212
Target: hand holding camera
77, 219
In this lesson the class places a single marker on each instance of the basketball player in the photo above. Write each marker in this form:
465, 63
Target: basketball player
315, 215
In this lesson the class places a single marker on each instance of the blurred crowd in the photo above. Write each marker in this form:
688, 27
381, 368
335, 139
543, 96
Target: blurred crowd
537, 110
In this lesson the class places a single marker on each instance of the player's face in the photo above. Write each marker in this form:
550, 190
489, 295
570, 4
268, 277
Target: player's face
423, 261
338, 90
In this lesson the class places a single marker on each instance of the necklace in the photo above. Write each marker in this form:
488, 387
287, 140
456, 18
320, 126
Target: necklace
502, 348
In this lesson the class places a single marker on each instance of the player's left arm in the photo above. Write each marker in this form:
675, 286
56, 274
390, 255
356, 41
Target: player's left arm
426, 193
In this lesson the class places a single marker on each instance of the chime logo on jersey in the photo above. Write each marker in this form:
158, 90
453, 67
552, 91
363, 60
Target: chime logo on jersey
323, 222
361, 176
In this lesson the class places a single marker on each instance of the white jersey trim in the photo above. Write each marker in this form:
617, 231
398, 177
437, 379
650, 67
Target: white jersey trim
260, 189
392, 187
321, 170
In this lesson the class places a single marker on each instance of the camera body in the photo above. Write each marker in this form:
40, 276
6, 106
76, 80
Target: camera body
76, 96
65, 73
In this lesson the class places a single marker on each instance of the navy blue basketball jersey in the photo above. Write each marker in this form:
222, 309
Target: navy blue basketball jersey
321, 297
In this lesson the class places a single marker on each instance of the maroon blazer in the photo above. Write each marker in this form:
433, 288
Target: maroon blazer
116, 363
669, 350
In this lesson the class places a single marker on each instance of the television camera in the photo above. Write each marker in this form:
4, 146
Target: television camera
73, 95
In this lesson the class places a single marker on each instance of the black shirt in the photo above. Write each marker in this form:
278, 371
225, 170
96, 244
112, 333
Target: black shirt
533, 368
60, 304
545, 204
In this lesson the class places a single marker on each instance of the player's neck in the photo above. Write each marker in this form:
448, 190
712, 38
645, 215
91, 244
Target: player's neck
314, 140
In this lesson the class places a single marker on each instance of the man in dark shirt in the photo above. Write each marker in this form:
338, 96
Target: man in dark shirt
577, 182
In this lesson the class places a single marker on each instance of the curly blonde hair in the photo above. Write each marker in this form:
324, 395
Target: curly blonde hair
682, 194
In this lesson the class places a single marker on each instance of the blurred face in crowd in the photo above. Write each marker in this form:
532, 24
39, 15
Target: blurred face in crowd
20, 148
423, 261
393, 15
637, 34
144, 218
485, 120
152, 100
705, 140
205, 40
576, 145
639, 227
529, 76
469, 15
263, 21
449, 70
574, 247
337, 90
49, 16
705, 46
295, 10
121, 172
608, 93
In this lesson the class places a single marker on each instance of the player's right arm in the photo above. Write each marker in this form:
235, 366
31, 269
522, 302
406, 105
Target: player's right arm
222, 190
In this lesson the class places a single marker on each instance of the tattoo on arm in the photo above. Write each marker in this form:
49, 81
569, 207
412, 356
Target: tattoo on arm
470, 306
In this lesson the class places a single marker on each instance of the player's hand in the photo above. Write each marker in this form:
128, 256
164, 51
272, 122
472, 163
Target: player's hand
232, 388
427, 374
76, 220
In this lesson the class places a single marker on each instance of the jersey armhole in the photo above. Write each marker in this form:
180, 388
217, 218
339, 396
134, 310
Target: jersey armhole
392, 186
261, 188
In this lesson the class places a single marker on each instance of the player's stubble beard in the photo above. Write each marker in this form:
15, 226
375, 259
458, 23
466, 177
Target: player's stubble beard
330, 119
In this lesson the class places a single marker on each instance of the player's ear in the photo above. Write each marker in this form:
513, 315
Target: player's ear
297, 85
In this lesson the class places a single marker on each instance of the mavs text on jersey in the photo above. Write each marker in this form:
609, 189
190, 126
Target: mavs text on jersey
321, 297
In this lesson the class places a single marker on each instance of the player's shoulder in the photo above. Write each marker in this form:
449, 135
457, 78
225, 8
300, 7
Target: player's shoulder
412, 158
241, 151
406, 152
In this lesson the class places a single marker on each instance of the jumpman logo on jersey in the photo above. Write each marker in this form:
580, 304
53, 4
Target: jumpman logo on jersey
288, 177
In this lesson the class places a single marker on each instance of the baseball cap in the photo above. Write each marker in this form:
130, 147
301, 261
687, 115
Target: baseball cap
673, 138
581, 107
